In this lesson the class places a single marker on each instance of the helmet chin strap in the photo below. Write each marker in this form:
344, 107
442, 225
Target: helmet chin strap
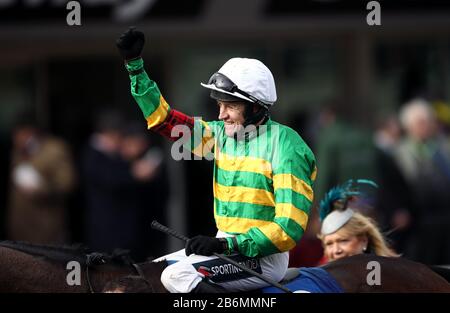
262, 115
252, 118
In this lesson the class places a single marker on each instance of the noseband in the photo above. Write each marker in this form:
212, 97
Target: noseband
96, 259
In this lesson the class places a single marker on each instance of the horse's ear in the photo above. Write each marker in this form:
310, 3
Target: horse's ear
96, 258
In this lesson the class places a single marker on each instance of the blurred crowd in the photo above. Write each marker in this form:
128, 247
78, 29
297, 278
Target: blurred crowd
123, 182
408, 155
120, 176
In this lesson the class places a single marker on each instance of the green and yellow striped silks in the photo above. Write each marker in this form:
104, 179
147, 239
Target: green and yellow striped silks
202, 138
147, 95
265, 200
262, 187
155, 110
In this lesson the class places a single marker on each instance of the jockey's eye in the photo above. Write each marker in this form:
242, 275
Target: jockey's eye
233, 106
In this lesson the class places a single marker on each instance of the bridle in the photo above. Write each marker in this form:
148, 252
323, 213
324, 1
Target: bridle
95, 259
141, 275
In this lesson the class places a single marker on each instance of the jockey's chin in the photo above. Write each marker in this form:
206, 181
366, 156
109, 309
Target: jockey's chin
231, 129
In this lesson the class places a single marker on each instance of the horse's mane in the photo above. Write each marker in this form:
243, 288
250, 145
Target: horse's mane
65, 253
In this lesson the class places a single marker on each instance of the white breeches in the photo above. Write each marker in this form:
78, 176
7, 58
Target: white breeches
182, 276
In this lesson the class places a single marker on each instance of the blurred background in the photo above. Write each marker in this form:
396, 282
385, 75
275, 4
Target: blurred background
77, 164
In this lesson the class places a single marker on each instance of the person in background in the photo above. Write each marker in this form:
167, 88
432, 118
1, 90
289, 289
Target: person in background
345, 231
120, 174
423, 157
394, 205
104, 176
42, 176
146, 166
344, 149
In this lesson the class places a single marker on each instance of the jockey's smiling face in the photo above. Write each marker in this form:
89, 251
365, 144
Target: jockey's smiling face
232, 114
340, 245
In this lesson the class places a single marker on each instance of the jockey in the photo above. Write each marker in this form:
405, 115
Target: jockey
263, 174
345, 231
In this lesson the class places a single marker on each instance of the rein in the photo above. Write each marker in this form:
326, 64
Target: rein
95, 259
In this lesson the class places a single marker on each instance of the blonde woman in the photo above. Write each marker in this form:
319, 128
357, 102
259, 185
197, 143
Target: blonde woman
346, 232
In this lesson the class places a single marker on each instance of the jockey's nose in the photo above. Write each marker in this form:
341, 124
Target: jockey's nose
223, 112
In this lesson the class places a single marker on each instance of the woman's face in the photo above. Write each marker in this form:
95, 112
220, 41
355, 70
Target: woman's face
340, 245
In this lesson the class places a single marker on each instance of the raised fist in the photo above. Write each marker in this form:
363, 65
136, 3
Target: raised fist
131, 43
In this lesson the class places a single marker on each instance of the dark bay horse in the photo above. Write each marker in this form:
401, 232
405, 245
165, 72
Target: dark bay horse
33, 268
396, 275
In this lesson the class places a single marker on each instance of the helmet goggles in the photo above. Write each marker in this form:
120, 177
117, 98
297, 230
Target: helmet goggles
224, 83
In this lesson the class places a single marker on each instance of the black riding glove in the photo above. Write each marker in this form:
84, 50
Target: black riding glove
130, 44
204, 245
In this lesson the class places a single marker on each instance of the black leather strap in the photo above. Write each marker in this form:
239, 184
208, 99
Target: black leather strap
235, 243
224, 243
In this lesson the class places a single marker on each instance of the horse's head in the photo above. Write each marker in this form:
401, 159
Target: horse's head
37, 268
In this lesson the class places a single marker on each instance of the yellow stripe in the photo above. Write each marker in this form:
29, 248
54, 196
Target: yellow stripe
238, 224
290, 211
243, 194
294, 183
270, 229
278, 237
207, 142
159, 115
204, 147
314, 174
246, 164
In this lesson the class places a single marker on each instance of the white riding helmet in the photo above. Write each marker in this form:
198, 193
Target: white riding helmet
247, 79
